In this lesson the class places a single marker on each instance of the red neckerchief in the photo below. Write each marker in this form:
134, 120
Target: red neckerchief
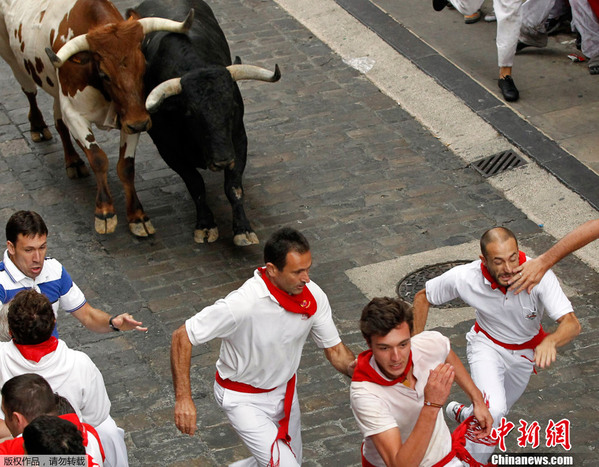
302, 303
495, 285
365, 372
35, 352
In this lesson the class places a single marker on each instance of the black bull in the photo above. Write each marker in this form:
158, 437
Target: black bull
197, 111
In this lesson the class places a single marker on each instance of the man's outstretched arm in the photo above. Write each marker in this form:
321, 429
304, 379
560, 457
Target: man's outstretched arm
99, 321
341, 358
531, 272
185, 409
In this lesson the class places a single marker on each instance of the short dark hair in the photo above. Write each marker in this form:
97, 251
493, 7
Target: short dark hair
282, 242
383, 314
63, 406
27, 223
31, 319
48, 434
28, 394
495, 234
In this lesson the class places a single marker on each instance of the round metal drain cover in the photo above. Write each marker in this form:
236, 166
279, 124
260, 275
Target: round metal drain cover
414, 282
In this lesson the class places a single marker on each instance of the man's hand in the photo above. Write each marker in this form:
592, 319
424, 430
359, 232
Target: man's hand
185, 416
545, 353
126, 322
485, 420
439, 384
527, 275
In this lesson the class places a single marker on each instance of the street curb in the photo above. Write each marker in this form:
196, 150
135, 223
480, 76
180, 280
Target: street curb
519, 132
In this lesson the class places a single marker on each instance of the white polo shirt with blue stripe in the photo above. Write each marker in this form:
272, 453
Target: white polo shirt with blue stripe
53, 281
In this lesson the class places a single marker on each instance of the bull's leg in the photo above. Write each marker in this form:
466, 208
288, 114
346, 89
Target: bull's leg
106, 219
74, 164
139, 223
39, 130
243, 234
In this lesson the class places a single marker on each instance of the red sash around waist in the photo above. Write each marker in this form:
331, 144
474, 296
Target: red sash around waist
458, 447
531, 344
240, 387
283, 432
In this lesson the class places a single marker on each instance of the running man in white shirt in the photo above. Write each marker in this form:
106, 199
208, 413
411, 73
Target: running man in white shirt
263, 326
399, 387
507, 339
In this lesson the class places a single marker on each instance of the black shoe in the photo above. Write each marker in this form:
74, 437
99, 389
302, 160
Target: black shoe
508, 89
521, 45
438, 5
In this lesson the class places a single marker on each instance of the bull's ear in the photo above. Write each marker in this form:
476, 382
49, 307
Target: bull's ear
132, 14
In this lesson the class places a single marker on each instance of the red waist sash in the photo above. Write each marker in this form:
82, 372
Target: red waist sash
531, 344
283, 432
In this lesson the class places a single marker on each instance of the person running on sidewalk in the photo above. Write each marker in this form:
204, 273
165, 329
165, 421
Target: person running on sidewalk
507, 339
509, 20
399, 387
263, 326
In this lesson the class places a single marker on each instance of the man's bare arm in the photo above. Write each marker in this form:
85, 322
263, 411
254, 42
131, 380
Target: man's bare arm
341, 358
532, 271
546, 351
421, 306
97, 320
481, 411
185, 409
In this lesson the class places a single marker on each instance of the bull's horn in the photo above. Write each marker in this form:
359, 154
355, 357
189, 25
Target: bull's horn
75, 45
162, 24
167, 88
239, 72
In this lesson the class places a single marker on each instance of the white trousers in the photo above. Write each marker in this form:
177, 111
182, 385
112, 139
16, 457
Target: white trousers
585, 21
509, 20
501, 375
534, 14
255, 418
113, 442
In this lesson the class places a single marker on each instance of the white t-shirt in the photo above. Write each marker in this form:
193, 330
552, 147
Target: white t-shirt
380, 408
509, 318
261, 342
69, 372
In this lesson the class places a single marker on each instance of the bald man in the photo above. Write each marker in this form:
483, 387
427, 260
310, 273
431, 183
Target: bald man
507, 339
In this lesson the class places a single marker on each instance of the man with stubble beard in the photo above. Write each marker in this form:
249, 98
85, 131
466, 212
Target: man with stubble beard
507, 339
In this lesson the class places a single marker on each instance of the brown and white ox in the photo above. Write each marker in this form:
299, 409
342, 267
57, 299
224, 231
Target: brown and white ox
84, 54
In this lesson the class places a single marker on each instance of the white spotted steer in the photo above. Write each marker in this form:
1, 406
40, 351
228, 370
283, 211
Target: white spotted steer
84, 54
197, 109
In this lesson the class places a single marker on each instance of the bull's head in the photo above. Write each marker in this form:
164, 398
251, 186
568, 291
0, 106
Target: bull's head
213, 107
115, 49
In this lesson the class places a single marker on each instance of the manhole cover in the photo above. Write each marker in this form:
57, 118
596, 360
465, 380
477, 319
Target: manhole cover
498, 163
414, 282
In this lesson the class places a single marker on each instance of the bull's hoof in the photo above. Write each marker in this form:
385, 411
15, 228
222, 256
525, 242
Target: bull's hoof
41, 135
106, 226
77, 170
205, 235
245, 239
142, 228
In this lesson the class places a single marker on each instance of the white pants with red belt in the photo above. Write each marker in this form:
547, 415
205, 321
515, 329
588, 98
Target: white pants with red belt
255, 419
501, 375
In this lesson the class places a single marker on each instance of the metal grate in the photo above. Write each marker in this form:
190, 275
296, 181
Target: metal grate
413, 282
498, 163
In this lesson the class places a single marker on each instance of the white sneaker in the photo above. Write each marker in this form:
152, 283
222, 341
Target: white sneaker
490, 17
454, 410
